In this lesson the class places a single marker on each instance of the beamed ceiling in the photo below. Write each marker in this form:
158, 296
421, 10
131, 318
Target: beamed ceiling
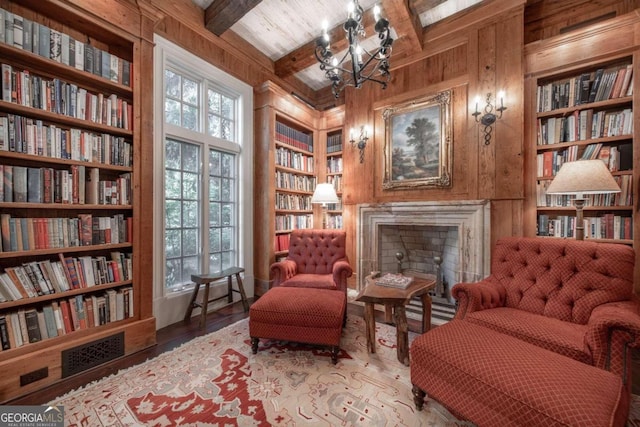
286, 30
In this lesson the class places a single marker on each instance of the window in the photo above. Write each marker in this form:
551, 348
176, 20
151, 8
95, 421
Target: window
200, 179
203, 181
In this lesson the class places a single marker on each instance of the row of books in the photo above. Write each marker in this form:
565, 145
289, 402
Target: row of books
22, 184
294, 137
31, 325
584, 125
616, 157
293, 201
334, 165
599, 85
290, 181
293, 160
293, 222
281, 242
25, 135
623, 198
57, 96
334, 143
37, 278
335, 206
336, 180
607, 226
335, 221
26, 234
22, 33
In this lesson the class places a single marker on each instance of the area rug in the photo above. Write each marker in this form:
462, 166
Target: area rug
215, 380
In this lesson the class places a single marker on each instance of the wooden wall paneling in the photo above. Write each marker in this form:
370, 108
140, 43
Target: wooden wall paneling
548, 18
508, 137
143, 162
486, 84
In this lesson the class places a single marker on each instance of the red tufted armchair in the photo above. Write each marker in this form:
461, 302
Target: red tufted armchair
571, 297
317, 259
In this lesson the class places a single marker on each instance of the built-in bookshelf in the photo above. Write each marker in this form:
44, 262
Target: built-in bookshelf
295, 182
586, 115
334, 170
70, 278
580, 108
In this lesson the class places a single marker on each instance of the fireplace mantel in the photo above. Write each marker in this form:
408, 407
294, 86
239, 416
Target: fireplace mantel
471, 217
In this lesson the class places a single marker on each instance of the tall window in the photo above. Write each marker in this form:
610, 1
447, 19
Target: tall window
200, 180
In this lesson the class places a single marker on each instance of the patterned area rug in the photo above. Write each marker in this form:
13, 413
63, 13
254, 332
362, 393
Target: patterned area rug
215, 380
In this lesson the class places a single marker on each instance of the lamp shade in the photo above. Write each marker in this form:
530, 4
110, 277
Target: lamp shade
583, 177
324, 193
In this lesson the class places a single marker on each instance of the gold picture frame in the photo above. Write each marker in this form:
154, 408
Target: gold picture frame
418, 143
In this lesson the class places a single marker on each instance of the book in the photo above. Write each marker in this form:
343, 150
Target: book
19, 184
4, 334
55, 45
34, 185
7, 182
33, 328
50, 321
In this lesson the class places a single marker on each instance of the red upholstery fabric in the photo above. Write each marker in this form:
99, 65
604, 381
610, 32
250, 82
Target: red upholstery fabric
550, 291
314, 252
312, 316
493, 379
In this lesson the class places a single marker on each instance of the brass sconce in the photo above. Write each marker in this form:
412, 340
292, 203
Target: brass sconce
489, 117
361, 142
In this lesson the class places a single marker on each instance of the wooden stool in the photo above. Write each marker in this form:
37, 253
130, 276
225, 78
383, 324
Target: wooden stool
206, 279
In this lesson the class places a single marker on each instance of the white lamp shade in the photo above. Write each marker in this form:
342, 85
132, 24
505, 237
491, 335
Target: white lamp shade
583, 177
324, 193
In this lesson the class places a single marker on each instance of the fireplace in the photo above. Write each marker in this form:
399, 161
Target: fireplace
448, 238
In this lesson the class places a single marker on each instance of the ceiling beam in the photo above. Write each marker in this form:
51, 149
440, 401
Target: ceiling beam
222, 14
402, 19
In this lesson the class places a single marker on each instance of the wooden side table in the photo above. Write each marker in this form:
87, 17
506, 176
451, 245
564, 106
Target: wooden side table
396, 299
206, 279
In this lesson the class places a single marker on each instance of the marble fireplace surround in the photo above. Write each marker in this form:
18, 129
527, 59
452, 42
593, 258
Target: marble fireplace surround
471, 217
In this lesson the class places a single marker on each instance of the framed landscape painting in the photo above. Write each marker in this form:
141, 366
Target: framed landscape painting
418, 143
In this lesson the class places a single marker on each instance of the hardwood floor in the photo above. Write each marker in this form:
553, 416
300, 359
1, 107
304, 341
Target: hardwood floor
174, 335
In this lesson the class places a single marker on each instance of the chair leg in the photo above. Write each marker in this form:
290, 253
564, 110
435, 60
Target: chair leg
418, 397
334, 354
254, 344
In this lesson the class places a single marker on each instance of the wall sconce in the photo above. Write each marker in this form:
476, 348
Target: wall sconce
489, 117
361, 142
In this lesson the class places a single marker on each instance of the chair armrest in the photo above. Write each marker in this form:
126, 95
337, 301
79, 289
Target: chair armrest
283, 270
478, 296
613, 329
341, 271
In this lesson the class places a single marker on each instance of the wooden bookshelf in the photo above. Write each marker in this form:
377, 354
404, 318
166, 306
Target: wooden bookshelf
579, 107
71, 235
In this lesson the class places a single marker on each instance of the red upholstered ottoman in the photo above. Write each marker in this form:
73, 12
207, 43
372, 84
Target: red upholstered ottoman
493, 379
306, 315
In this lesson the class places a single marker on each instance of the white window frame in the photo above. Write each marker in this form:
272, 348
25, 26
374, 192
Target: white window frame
169, 307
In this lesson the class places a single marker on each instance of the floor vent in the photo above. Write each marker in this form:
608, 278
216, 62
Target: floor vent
89, 355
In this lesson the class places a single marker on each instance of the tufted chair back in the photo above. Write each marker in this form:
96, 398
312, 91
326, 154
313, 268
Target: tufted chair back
316, 251
562, 278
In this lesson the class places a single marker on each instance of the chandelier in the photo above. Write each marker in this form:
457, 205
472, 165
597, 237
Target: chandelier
357, 65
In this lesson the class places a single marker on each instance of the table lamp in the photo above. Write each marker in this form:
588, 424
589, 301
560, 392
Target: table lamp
324, 193
580, 178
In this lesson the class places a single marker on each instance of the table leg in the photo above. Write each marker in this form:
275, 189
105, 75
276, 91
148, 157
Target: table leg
402, 334
229, 290
370, 325
426, 313
192, 303
388, 313
245, 303
205, 304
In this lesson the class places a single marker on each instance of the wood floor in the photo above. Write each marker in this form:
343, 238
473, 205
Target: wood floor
174, 335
